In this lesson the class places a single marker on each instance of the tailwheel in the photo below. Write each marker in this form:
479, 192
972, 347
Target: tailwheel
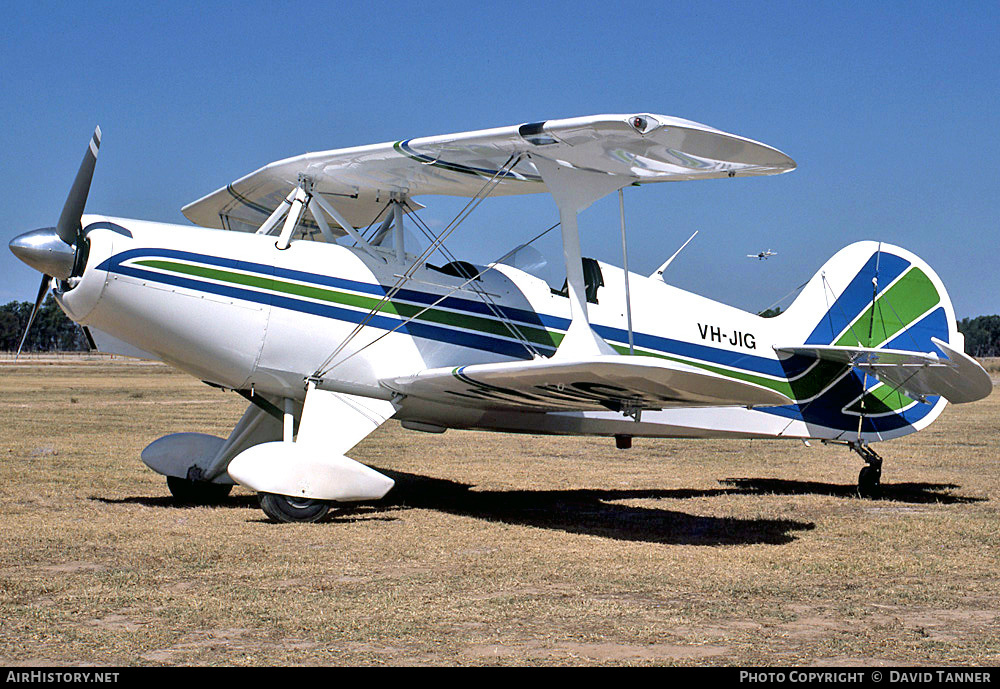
191, 492
870, 477
289, 509
869, 482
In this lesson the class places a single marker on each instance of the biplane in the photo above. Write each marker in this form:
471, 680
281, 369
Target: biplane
299, 290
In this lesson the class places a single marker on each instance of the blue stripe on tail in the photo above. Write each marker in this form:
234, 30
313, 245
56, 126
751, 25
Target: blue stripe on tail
858, 295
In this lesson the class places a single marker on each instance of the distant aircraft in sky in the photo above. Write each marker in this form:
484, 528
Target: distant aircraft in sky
763, 255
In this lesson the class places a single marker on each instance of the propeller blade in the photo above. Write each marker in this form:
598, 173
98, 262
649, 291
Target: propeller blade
69, 220
91, 344
42, 290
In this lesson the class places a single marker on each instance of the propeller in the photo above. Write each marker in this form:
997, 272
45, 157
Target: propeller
69, 227
42, 290
56, 251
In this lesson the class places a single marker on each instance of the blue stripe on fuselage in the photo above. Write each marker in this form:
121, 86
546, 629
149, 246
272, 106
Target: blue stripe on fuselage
415, 328
823, 411
783, 368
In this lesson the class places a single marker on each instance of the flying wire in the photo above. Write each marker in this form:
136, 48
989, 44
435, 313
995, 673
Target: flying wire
871, 329
781, 299
483, 295
473, 203
444, 296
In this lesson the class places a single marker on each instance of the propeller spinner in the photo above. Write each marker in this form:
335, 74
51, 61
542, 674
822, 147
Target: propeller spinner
59, 252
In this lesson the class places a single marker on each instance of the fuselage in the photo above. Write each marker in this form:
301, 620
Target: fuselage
236, 311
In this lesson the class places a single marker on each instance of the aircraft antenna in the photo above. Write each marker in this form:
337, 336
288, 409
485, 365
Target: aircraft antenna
659, 271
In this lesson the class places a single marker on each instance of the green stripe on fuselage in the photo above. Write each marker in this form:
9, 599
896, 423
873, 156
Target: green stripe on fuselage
396, 308
803, 387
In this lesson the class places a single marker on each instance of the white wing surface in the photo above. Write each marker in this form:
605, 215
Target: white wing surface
358, 181
617, 382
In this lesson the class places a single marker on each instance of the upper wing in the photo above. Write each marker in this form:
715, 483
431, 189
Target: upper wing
610, 381
958, 377
358, 181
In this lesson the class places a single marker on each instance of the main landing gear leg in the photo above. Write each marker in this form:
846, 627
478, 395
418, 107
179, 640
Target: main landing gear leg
869, 480
299, 476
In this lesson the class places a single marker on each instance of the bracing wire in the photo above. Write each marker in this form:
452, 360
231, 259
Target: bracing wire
440, 299
781, 299
473, 203
483, 295
871, 330
850, 323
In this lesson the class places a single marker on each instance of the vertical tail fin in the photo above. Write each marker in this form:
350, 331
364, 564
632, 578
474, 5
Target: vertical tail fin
870, 296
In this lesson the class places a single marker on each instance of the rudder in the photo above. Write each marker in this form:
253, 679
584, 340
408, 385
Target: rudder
869, 296
872, 294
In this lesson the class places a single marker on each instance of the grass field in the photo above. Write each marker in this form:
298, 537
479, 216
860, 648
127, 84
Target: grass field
492, 549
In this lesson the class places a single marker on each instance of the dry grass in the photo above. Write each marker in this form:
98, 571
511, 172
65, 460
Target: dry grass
492, 550
992, 365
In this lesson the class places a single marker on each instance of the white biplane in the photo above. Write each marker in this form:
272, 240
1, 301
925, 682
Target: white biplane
300, 291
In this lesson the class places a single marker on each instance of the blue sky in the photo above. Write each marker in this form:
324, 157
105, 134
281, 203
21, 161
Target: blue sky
890, 110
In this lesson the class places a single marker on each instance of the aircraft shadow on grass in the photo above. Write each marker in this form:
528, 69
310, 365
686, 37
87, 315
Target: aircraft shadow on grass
915, 493
597, 512
594, 512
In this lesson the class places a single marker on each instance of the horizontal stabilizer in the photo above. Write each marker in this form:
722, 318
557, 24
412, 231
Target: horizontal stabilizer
957, 377
612, 381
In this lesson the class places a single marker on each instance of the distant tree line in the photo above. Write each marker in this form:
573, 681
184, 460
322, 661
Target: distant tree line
982, 335
52, 330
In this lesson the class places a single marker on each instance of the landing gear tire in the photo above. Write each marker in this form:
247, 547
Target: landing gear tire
869, 482
288, 509
190, 492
